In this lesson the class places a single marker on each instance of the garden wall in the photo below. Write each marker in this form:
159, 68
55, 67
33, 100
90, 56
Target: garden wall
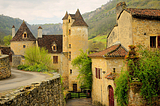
5, 69
45, 93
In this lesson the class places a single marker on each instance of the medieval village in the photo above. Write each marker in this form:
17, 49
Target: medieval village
54, 69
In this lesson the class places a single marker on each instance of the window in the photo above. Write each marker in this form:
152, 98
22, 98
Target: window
55, 59
70, 71
54, 47
98, 73
69, 32
158, 38
69, 55
114, 70
69, 45
153, 41
24, 35
69, 20
24, 46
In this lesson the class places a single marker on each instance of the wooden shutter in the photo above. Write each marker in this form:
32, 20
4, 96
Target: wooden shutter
99, 73
96, 72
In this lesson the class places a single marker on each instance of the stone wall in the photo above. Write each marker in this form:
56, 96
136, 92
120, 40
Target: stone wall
45, 93
5, 69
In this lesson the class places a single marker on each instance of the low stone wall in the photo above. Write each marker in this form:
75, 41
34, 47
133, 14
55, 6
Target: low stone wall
5, 69
45, 93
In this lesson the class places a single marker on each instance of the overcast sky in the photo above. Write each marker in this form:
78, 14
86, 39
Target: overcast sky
46, 11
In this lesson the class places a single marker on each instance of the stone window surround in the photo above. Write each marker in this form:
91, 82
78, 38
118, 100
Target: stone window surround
157, 40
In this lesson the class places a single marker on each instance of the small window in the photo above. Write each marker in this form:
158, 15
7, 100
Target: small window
70, 71
69, 45
69, 32
69, 55
54, 47
69, 20
114, 70
24, 46
55, 59
24, 35
98, 73
153, 41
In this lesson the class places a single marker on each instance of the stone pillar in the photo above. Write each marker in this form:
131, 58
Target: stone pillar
13, 31
40, 32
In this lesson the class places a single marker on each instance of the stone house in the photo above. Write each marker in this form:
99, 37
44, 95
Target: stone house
106, 65
62, 48
134, 26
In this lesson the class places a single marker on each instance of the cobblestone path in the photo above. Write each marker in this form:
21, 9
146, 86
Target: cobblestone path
79, 102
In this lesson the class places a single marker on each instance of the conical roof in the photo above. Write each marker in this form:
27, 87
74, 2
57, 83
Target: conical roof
79, 19
23, 29
66, 16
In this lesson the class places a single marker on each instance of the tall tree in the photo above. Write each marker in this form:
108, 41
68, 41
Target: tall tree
7, 39
83, 63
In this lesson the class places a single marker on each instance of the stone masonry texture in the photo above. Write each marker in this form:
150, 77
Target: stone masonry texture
44, 93
5, 69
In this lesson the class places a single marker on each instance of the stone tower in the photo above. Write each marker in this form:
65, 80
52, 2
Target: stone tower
75, 38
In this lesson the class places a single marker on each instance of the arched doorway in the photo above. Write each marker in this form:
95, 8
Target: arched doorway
111, 96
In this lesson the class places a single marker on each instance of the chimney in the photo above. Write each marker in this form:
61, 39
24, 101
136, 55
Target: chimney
13, 31
119, 7
40, 32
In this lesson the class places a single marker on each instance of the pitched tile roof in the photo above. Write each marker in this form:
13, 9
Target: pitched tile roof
23, 28
47, 41
144, 13
113, 51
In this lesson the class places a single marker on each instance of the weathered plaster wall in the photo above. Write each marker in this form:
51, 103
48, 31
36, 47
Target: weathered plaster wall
100, 87
79, 41
17, 46
45, 93
143, 29
125, 29
5, 69
113, 37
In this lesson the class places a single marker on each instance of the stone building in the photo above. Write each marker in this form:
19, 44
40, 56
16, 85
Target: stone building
134, 26
62, 48
106, 65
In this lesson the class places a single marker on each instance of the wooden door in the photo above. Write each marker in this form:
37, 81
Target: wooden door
74, 87
111, 96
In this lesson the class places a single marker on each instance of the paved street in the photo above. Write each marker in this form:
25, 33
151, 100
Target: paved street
79, 102
20, 78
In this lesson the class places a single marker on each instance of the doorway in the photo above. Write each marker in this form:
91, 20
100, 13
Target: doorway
74, 87
111, 96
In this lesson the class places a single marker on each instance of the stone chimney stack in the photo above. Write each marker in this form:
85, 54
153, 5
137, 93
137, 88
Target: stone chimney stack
119, 7
40, 32
13, 31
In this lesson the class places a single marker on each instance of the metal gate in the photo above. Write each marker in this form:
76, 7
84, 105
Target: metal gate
111, 96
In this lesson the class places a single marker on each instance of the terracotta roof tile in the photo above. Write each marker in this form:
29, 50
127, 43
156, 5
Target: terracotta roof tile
146, 13
23, 28
47, 41
113, 51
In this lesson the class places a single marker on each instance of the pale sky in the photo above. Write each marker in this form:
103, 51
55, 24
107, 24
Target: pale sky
46, 11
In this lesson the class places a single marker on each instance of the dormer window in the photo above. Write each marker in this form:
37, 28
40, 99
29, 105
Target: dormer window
24, 35
54, 47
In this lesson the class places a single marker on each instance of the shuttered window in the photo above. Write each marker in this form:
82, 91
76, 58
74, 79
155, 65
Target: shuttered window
55, 59
98, 73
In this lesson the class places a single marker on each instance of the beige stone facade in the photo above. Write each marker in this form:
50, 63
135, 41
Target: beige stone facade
19, 47
62, 48
133, 30
104, 70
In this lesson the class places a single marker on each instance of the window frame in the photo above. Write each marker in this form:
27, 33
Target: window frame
55, 59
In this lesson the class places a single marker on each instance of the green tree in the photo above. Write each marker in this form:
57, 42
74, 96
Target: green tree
7, 39
38, 56
83, 63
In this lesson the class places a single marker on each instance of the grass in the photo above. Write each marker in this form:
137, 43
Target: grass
99, 38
